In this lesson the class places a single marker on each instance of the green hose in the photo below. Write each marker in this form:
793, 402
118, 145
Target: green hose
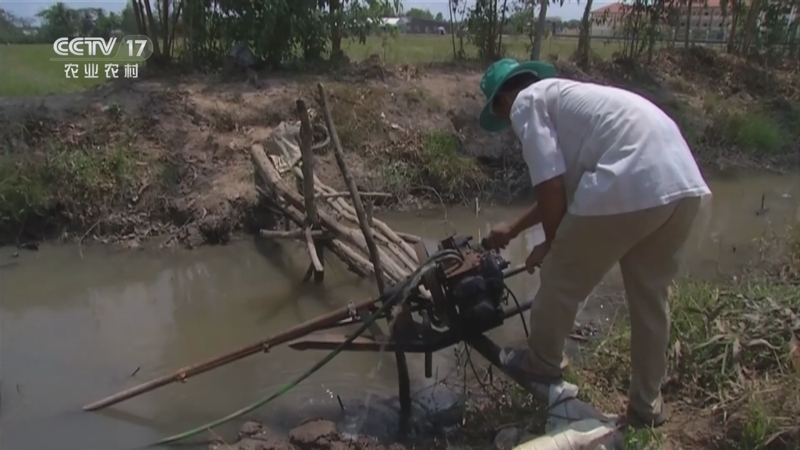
399, 295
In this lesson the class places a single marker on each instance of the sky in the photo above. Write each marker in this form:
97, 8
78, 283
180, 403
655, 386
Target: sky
28, 8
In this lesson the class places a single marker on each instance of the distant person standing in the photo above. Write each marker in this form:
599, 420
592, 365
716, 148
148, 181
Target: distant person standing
615, 182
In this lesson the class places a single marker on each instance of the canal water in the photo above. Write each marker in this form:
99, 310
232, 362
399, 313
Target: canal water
77, 325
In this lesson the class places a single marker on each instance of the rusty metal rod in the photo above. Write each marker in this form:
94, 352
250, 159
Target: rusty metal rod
264, 345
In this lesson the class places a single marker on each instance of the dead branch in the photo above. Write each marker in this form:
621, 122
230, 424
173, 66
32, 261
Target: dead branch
347, 194
351, 186
297, 234
312, 251
270, 175
307, 154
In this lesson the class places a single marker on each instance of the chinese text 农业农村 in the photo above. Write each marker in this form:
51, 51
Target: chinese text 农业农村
92, 70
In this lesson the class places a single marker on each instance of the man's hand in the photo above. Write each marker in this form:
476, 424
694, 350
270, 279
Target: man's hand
537, 255
500, 236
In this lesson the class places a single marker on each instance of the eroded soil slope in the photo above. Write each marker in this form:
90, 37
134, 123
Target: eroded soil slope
170, 156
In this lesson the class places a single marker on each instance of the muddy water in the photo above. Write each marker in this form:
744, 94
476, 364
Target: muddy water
79, 324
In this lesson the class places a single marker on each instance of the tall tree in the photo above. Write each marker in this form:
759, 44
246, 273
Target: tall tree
418, 13
584, 36
59, 20
538, 37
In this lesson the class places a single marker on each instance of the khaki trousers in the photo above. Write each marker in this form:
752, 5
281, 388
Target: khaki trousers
647, 244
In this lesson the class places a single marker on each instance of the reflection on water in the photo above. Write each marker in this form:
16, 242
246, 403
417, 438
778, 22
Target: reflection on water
77, 328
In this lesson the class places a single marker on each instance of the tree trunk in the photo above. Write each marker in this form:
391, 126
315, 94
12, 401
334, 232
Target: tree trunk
655, 17
153, 35
583, 38
138, 14
688, 31
452, 27
750, 26
540, 24
176, 13
737, 9
502, 27
335, 7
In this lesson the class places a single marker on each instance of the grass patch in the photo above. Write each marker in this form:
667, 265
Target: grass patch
74, 173
754, 132
750, 130
445, 169
431, 165
419, 96
398, 178
729, 352
422, 48
77, 180
26, 69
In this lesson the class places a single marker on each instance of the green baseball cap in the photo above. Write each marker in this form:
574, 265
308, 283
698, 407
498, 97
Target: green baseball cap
497, 74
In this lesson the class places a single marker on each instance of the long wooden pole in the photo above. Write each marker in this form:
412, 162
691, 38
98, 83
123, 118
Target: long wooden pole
404, 382
182, 374
312, 219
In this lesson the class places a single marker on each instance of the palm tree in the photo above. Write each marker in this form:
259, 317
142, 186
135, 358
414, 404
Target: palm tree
59, 20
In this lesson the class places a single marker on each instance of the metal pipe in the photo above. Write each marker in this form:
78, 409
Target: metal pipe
508, 273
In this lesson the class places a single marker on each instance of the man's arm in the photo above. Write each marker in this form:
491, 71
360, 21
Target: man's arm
552, 202
528, 219
530, 119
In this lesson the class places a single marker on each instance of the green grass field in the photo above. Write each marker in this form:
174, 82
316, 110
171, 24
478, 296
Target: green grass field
424, 48
27, 69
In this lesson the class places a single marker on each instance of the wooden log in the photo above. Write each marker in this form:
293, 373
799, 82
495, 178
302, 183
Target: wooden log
351, 186
339, 249
410, 264
345, 194
307, 155
369, 211
350, 257
383, 228
296, 234
355, 262
346, 211
293, 198
290, 150
349, 213
313, 253
404, 382
407, 237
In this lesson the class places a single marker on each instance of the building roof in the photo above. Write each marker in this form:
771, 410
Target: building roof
391, 21
617, 8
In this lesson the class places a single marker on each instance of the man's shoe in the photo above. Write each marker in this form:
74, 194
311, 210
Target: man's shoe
635, 420
519, 365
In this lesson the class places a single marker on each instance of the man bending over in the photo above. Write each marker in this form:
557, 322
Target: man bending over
615, 182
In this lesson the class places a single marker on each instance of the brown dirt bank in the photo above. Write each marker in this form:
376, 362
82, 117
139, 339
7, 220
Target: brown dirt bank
314, 434
169, 156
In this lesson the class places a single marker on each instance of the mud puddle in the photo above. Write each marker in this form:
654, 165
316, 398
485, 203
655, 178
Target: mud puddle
79, 324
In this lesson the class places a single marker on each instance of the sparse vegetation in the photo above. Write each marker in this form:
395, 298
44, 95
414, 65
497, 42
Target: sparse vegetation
749, 129
448, 170
729, 355
731, 382
77, 175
